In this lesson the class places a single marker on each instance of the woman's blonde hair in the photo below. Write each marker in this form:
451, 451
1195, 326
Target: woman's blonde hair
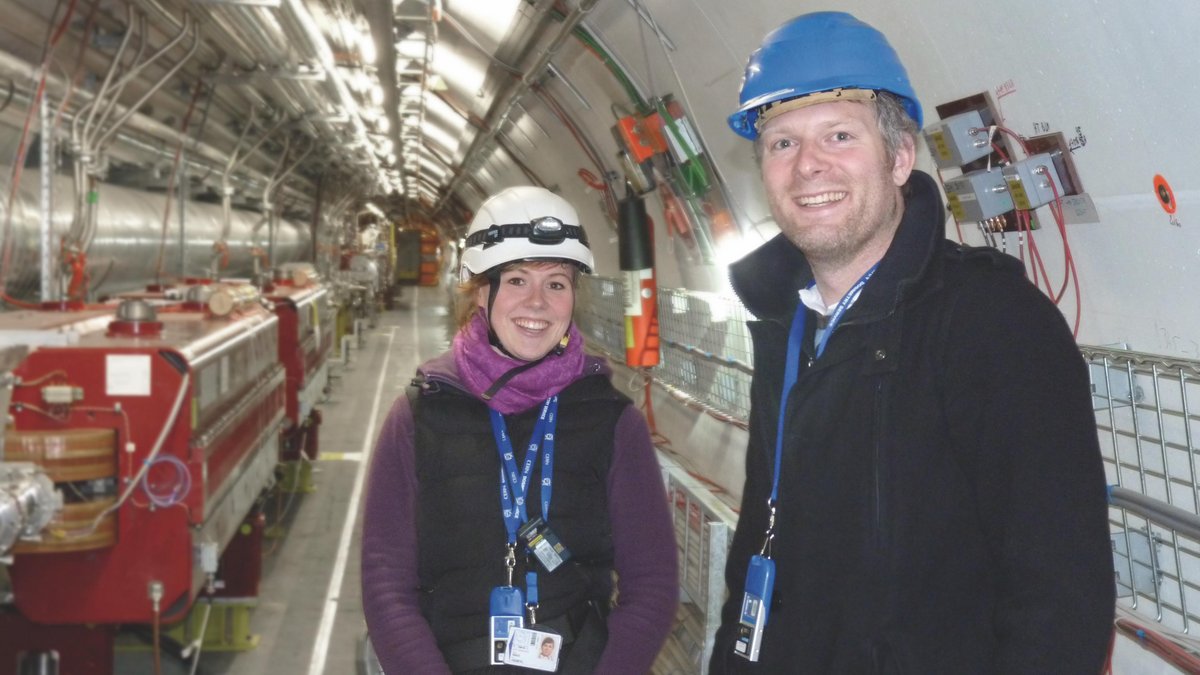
465, 304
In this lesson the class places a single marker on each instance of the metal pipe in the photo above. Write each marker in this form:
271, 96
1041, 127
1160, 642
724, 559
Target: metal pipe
509, 99
235, 162
135, 68
269, 192
1171, 517
169, 23
46, 202
12, 67
165, 78
84, 241
260, 42
320, 49
91, 107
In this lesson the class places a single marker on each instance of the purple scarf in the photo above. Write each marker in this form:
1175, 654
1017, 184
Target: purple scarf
479, 365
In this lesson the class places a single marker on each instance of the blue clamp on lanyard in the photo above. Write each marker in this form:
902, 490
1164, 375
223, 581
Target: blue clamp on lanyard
792, 372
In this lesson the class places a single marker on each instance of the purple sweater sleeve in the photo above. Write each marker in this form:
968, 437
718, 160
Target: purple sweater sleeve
645, 554
402, 638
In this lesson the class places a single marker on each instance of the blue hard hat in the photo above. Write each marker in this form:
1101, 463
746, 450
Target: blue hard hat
817, 52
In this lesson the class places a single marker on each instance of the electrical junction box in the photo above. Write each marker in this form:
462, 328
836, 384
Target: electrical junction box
952, 142
978, 195
1029, 181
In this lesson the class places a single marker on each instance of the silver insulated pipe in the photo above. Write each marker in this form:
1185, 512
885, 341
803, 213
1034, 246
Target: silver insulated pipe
129, 248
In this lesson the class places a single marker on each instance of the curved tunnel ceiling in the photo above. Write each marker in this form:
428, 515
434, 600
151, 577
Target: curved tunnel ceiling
413, 101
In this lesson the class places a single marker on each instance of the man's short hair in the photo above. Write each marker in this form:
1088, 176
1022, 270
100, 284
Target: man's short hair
894, 123
892, 119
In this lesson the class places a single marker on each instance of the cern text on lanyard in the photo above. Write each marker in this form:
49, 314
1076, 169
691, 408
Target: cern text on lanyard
760, 574
514, 486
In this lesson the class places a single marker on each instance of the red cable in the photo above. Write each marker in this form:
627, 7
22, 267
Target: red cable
1035, 252
62, 26
1068, 258
1000, 151
1019, 138
77, 74
1157, 644
591, 180
183, 129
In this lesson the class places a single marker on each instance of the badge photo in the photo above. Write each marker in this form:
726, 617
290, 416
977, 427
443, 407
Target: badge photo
534, 649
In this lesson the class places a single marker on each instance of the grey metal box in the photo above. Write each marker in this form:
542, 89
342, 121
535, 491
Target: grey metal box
978, 195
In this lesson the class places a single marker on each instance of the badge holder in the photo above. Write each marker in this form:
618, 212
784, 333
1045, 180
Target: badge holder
506, 613
756, 601
541, 541
533, 647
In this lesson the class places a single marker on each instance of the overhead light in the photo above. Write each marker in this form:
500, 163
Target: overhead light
412, 47
366, 47
463, 72
377, 94
491, 18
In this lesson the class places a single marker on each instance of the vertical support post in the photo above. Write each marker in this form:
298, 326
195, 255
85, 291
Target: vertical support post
272, 216
46, 202
316, 217
182, 198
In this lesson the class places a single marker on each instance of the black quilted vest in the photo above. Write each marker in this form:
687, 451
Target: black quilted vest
460, 530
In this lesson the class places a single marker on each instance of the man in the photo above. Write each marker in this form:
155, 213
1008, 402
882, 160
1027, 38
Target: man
940, 502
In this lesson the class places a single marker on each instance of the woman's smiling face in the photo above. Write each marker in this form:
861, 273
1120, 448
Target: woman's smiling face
533, 307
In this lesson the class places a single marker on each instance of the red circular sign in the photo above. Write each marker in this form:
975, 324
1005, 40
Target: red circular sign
1166, 198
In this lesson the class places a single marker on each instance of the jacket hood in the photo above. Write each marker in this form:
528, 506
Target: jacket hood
767, 281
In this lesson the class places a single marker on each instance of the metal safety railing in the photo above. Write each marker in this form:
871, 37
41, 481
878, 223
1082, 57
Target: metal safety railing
705, 351
1148, 429
703, 531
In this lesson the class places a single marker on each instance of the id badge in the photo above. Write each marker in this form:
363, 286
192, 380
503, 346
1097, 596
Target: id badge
506, 614
534, 649
544, 544
756, 601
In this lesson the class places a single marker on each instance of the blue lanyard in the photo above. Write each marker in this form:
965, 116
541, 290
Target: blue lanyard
514, 486
792, 370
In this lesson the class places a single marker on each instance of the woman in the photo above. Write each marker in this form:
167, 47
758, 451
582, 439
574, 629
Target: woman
454, 559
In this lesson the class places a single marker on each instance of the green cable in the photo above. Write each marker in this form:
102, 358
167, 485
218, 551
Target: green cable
615, 69
586, 38
692, 172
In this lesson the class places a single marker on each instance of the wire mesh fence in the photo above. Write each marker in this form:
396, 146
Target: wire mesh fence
1148, 427
705, 345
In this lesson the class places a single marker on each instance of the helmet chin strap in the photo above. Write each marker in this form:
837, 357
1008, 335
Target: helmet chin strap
494, 340
493, 290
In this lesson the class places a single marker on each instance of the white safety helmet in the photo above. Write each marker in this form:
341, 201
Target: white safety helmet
524, 223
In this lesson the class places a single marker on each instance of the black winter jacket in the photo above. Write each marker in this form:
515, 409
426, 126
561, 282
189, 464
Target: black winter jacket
942, 498
456, 468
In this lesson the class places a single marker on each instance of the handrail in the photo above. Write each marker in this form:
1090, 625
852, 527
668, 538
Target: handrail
1140, 358
1182, 521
